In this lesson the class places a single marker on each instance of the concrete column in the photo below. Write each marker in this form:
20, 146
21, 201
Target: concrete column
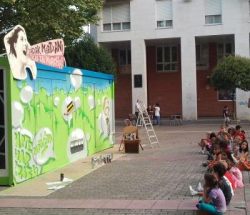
188, 78
138, 64
242, 49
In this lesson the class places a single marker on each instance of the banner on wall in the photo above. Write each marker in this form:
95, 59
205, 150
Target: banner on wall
22, 56
50, 53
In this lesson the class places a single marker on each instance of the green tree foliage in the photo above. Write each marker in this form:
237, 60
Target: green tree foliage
87, 55
48, 19
231, 73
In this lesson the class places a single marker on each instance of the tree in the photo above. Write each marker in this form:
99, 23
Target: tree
44, 19
231, 73
86, 54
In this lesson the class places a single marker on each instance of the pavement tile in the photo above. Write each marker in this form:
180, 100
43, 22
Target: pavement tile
141, 204
248, 206
168, 204
239, 194
54, 203
117, 204
188, 205
240, 212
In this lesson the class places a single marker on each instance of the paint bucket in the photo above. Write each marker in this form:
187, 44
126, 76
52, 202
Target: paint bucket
61, 177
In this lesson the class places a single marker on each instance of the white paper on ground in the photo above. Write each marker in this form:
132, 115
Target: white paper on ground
58, 184
67, 180
56, 187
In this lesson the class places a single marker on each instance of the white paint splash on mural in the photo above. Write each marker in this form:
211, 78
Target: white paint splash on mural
26, 94
56, 101
76, 78
77, 102
17, 114
91, 102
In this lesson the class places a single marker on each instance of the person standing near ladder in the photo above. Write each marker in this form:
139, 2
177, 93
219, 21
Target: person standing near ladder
157, 113
137, 106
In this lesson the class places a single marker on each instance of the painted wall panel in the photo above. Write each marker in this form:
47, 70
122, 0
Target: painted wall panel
58, 118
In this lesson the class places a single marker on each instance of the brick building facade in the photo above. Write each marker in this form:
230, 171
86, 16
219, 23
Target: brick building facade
165, 51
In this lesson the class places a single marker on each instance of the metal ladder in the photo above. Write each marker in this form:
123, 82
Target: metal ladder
144, 120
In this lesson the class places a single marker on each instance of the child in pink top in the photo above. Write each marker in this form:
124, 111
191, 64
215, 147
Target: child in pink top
236, 173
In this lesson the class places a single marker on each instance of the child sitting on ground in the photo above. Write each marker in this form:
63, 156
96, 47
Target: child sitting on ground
205, 143
236, 173
223, 129
238, 132
213, 200
217, 156
224, 184
244, 163
210, 151
229, 176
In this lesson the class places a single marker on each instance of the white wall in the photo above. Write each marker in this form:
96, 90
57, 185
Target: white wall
138, 65
188, 78
242, 48
188, 23
188, 17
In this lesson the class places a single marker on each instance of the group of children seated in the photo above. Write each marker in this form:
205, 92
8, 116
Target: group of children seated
227, 157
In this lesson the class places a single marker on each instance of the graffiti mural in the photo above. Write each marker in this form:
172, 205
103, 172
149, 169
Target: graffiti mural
58, 114
59, 118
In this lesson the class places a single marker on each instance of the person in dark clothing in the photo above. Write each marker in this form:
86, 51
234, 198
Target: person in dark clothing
226, 115
219, 171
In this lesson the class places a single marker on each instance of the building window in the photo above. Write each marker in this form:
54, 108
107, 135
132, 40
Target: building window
167, 59
116, 17
164, 13
124, 57
213, 12
124, 61
224, 49
226, 95
202, 56
249, 8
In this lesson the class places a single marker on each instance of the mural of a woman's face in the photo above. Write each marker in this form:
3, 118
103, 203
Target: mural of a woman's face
17, 45
21, 46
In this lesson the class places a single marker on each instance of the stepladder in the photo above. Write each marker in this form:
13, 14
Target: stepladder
144, 120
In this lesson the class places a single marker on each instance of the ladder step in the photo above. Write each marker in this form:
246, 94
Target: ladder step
152, 136
156, 142
149, 130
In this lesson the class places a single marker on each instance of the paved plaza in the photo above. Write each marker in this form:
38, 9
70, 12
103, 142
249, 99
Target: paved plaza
155, 181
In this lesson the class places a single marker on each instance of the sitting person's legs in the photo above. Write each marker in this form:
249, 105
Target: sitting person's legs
207, 207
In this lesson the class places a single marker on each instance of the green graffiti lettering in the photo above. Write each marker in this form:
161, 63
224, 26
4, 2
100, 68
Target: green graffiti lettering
43, 144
